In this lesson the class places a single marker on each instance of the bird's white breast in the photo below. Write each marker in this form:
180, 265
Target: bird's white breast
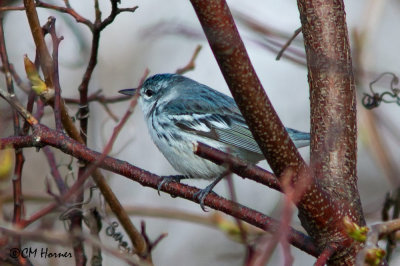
179, 152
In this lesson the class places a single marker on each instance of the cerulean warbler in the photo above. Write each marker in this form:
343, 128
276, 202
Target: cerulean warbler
180, 111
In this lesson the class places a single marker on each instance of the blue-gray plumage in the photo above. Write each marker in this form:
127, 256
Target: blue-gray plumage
180, 111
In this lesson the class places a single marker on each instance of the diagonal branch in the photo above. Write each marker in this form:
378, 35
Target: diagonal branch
45, 136
231, 55
237, 166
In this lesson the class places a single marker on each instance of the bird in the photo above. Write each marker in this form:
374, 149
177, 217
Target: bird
180, 112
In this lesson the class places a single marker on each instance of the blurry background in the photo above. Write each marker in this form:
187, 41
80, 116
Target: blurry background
162, 36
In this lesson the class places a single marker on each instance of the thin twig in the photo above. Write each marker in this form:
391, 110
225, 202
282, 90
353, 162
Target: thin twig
12, 100
54, 170
68, 10
12, 8
150, 244
99, 97
191, 64
23, 85
57, 88
29, 108
268, 244
243, 232
287, 44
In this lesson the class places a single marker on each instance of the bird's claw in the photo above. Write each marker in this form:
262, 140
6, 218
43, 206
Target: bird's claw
202, 194
169, 179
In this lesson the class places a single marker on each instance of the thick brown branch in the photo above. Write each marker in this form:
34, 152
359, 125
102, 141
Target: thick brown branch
333, 122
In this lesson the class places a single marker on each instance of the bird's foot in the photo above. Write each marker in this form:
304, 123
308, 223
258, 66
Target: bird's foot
169, 179
202, 194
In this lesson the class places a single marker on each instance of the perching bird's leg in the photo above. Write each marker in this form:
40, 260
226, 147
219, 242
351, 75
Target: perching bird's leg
202, 193
168, 179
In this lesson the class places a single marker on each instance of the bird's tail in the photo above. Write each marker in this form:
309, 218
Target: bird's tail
300, 139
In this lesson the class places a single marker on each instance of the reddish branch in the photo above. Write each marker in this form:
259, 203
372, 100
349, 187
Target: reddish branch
325, 255
237, 166
69, 146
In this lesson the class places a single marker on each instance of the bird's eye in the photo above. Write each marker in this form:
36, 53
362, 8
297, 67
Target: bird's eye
149, 93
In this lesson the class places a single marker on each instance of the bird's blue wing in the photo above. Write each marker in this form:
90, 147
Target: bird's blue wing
215, 116
211, 114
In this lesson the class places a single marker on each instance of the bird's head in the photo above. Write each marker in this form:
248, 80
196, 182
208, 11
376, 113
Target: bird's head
155, 89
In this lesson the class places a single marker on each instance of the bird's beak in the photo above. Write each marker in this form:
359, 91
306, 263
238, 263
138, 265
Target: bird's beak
129, 92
